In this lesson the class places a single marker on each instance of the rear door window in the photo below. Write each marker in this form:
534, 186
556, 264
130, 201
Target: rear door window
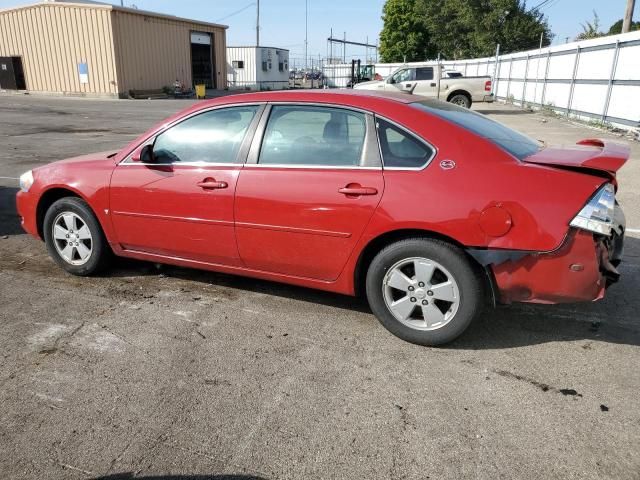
424, 73
401, 149
513, 142
309, 135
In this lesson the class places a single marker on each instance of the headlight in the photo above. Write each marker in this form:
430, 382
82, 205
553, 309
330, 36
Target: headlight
26, 180
597, 214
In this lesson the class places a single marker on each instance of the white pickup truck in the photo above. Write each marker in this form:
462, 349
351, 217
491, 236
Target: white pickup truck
434, 81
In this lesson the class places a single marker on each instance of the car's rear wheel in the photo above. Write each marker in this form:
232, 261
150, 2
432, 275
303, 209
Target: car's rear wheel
424, 291
74, 237
461, 100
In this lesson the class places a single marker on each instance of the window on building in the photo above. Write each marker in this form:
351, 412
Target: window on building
238, 64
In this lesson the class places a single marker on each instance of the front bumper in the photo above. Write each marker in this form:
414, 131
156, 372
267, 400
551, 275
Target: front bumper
580, 270
27, 205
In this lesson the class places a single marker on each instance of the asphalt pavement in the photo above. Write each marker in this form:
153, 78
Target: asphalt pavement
177, 373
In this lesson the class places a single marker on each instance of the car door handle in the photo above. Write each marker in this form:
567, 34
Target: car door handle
211, 184
433, 84
357, 190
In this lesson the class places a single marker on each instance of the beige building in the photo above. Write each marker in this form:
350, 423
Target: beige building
96, 49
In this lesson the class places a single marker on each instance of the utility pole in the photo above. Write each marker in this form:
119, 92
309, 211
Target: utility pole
257, 23
628, 15
344, 48
306, 33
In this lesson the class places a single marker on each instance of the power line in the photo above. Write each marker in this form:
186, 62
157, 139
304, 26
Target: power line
541, 4
237, 12
549, 5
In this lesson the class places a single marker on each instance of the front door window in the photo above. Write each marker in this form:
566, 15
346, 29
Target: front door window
210, 137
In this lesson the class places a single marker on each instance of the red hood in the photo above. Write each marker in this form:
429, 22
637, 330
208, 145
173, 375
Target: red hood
589, 154
92, 157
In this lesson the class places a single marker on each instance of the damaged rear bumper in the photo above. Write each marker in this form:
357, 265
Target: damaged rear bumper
579, 270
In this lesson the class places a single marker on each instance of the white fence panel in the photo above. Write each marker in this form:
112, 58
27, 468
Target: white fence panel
519, 68
589, 98
595, 65
557, 95
561, 66
625, 102
628, 67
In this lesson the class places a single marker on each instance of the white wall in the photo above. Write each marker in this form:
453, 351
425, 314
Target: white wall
253, 76
593, 79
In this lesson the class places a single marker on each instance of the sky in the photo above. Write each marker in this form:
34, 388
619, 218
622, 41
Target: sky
283, 21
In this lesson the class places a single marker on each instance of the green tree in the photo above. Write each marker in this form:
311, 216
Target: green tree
591, 29
617, 27
509, 23
403, 36
460, 28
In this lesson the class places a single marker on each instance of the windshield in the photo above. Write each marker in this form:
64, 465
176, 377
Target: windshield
515, 143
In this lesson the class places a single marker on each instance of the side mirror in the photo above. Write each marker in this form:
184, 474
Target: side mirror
143, 154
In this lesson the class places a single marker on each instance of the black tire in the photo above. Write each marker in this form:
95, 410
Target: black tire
100, 250
461, 100
468, 278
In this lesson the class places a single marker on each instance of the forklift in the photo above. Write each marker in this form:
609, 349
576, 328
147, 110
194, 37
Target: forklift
361, 73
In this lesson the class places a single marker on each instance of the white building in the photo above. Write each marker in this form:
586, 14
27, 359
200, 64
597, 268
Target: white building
257, 68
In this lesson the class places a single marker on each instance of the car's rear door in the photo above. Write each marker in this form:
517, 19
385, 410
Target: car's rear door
425, 82
310, 186
181, 203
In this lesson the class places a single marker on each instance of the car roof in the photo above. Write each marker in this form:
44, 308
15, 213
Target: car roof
348, 97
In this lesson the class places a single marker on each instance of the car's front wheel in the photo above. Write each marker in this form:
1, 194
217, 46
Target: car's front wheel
74, 237
424, 291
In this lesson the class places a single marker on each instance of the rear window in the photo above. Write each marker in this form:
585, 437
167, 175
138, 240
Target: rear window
513, 142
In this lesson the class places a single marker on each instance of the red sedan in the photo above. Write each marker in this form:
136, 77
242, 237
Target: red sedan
431, 210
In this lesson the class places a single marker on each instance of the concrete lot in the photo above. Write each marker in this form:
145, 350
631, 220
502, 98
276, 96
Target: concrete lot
143, 373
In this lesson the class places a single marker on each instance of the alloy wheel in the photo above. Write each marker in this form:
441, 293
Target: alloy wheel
72, 238
421, 293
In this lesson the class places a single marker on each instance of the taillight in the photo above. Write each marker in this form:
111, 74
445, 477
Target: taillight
487, 86
597, 215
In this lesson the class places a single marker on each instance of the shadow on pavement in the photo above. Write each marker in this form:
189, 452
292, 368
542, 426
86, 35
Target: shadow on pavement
131, 476
613, 319
124, 267
9, 220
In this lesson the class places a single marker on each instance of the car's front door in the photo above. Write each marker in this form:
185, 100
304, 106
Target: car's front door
403, 81
180, 202
308, 190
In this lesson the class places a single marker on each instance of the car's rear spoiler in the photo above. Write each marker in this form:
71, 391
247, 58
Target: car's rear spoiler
590, 154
